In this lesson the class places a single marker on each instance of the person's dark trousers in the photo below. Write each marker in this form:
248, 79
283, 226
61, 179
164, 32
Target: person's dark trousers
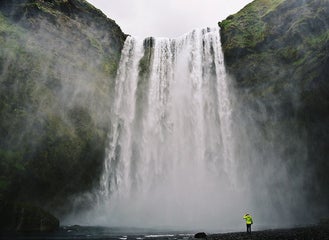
248, 228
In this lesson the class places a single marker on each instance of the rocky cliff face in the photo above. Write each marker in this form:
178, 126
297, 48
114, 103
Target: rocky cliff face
57, 64
278, 53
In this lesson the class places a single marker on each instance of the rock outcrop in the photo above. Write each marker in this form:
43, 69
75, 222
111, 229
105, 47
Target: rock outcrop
278, 53
202, 235
58, 60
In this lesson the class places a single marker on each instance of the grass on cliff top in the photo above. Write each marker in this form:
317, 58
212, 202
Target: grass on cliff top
248, 23
8, 28
54, 7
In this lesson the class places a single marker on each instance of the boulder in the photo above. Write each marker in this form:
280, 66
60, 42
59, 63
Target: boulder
200, 235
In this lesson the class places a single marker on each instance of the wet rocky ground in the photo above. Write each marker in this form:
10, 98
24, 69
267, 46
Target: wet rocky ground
318, 232
302, 233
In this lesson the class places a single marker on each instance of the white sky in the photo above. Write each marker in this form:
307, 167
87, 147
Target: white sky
167, 18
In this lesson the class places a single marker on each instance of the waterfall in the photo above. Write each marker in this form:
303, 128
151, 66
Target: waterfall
170, 161
185, 152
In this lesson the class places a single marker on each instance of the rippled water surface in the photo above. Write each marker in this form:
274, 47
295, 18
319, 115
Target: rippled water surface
78, 232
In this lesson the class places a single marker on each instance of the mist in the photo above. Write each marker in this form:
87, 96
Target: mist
169, 162
186, 152
61, 70
56, 88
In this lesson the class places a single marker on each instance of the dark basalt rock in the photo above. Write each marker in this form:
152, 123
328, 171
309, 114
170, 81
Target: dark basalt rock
200, 235
17, 217
311, 232
51, 142
277, 53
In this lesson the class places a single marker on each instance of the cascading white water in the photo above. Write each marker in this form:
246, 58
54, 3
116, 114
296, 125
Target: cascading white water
170, 155
185, 152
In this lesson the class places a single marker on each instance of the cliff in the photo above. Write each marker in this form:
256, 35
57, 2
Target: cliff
277, 52
57, 65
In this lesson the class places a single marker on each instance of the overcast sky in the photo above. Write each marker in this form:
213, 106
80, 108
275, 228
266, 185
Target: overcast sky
167, 18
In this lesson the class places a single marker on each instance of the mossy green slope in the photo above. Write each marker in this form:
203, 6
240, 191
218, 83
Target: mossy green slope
246, 28
278, 53
277, 32
58, 60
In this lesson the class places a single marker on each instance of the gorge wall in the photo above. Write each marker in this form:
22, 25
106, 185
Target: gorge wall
57, 63
277, 52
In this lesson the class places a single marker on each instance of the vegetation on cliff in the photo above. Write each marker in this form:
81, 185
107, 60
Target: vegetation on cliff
277, 52
57, 65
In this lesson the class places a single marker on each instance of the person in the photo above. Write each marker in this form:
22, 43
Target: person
249, 221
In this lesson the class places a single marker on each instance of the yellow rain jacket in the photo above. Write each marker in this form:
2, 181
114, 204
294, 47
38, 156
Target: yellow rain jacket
248, 219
